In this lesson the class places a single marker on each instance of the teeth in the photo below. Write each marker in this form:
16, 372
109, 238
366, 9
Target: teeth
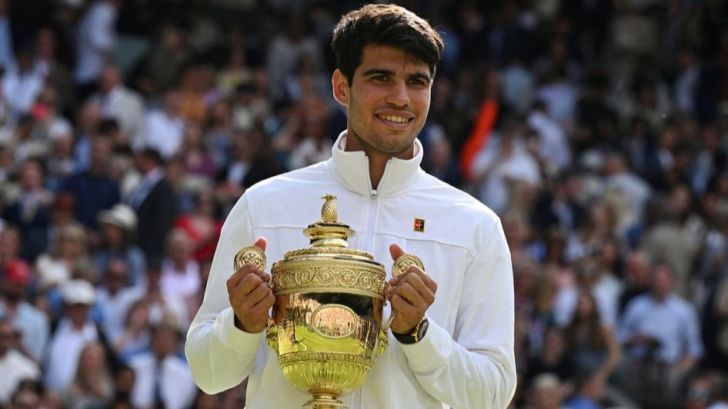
394, 118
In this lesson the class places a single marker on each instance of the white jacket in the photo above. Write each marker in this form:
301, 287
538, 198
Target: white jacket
466, 359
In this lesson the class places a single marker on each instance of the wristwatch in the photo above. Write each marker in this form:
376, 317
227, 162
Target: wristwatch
416, 335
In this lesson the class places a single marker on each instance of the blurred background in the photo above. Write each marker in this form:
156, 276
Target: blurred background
596, 129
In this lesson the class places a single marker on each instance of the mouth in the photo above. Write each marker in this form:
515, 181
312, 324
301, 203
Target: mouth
395, 120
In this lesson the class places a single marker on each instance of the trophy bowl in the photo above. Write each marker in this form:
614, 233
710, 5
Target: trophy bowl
326, 328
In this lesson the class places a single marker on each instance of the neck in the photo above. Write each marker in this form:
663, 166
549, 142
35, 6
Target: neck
377, 159
377, 163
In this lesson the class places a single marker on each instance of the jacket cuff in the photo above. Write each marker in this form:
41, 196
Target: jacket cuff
233, 337
431, 352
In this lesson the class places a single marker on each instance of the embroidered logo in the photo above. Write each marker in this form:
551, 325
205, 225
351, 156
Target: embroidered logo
419, 225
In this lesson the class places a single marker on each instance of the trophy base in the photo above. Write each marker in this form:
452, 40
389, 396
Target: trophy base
325, 402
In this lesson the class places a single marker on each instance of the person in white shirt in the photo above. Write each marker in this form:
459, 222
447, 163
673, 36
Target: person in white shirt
452, 338
163, 129
119, 102
163, 379
73, 332
96, 41
14, 366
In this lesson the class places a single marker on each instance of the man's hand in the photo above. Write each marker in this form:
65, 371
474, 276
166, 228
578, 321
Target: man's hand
410, 294
250, 295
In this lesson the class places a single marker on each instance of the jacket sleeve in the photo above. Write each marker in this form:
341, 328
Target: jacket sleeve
219, 354
475, 366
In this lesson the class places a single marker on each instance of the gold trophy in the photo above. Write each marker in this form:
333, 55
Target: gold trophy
327, 327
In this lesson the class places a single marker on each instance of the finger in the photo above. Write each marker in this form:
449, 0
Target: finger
418, 283
235, 279
395, 251
265, 303
252, 298
407, 291
248, 284
403, 308
426, 279
261, 243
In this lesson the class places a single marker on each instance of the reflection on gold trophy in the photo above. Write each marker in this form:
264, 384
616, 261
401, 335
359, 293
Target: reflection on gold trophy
327, 320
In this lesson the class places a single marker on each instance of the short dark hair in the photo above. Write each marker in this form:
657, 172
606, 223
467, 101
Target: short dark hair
387, 25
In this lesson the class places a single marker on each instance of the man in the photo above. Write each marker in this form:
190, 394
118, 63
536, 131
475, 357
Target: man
452, 335
155, 204
661, 335
14, 366
31, 323
74, 330
162, 377
119, 102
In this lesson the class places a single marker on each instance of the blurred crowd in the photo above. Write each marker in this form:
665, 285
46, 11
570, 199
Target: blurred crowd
596, 129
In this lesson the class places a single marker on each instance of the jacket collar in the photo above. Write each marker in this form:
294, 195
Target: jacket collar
351, 169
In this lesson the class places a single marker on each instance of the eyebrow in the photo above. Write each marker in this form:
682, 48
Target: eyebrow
381, 71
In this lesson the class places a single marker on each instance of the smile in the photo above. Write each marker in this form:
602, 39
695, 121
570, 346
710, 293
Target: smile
395, 119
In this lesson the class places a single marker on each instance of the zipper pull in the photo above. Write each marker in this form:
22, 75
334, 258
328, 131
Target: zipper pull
373, 193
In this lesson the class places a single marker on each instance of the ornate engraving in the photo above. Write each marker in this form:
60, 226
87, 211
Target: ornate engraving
334, 321
287, 280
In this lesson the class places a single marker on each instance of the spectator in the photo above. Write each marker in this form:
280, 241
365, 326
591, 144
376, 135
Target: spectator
31, 323
14, 366
593, 347
92, 386
96, 40
74, 330
162, 129
162, 377
180, 271
661, 336
201, 225
134, 335
155, 204
30, 210
67, 257
117, 101
94, 189
21, 85
117, 240
114, 297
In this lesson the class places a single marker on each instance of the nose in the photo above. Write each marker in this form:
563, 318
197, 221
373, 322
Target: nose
398, 94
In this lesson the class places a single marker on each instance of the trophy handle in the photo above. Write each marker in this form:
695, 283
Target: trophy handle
255, 256
399, 267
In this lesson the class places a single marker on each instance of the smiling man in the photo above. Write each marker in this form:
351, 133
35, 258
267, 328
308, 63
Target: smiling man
451, 340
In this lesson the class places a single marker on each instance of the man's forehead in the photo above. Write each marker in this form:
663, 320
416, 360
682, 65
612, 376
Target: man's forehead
376, 56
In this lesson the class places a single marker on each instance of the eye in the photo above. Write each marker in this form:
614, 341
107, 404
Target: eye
418, 82
380, 78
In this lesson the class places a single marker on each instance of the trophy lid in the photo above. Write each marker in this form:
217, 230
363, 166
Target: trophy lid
329, 264
328, 232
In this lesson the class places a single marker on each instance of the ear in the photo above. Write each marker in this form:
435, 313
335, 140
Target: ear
340, 86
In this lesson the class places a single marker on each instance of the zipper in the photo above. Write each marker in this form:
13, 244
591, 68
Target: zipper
371, 222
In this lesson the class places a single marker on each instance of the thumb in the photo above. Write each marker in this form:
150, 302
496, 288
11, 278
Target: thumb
395, 251
261, 243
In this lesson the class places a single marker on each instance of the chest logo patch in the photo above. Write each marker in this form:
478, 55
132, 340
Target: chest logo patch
419, 225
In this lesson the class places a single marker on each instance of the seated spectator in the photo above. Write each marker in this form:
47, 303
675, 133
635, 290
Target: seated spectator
14, 366
92, 386
113, 297
30, 210
32, 324
201, 225
180, 272
593, 347
117, 227
73, 332
163, 379
661, 337
135, 334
